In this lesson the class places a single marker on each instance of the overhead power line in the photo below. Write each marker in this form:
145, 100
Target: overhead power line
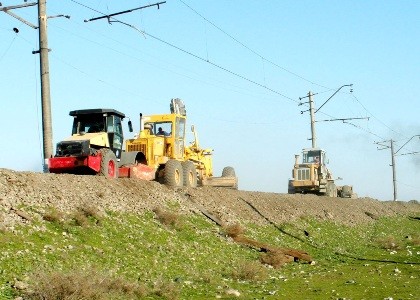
375, 116
250, 49
225, 69
8, 48
194, 55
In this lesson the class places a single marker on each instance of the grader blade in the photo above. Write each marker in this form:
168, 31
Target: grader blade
227, 182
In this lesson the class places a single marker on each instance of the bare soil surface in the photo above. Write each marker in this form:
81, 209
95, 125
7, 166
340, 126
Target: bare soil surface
27, 195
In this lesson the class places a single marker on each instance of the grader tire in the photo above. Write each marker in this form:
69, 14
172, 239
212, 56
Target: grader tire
291, 188
109, 165
331, 190
173, 176
228, 172
189, 174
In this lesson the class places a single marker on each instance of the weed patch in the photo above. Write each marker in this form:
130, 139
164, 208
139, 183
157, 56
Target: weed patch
82, 285
167, 218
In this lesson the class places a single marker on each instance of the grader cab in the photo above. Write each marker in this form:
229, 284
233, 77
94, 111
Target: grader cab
161, 146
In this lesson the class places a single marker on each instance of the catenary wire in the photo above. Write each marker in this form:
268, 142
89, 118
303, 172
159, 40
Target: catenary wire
250, 49
196, 56
226, 69
8, 48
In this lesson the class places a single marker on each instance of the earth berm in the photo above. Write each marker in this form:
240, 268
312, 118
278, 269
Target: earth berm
66, 192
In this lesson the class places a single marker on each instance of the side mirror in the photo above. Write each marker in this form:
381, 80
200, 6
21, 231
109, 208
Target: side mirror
130, 126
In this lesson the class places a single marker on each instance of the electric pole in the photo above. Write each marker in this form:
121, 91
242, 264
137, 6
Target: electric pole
45, 82
393, 154
312, 114
394, 172
44, 72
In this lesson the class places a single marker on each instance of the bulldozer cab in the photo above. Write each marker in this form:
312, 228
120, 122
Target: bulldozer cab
313, 156
103, 127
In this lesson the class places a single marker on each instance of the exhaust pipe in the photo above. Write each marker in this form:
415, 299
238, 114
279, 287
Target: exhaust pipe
141, 122
296, 159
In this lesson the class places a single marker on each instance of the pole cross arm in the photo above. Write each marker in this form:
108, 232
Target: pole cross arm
125, 11
17, 6
7, 9
344, 119
334, 95
407, 142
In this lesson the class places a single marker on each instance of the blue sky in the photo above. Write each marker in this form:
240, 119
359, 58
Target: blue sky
267, 55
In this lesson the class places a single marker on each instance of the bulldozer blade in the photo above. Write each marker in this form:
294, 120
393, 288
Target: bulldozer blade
228, 182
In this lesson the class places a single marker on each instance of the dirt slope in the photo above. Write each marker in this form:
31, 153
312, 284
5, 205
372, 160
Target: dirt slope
66, 192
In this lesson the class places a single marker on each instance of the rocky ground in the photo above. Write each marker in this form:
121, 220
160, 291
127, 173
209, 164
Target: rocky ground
25, 195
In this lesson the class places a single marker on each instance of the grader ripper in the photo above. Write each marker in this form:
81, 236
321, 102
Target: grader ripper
158, 152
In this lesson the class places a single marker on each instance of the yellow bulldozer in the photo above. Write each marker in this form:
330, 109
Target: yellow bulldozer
311, 175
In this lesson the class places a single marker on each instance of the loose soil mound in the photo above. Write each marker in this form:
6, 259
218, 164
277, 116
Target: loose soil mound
67, 192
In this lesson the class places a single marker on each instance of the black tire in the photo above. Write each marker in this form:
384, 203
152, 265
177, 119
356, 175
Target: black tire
331, 190
291, 188
346, 191
173, 176
189, 174
228, 172
109, 164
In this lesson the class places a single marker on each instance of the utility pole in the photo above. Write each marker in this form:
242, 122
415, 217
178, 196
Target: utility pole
44, 71
312, 114
394, 172
45, 82
393, 154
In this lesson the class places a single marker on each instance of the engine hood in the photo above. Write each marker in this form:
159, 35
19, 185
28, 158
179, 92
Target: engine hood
97, 139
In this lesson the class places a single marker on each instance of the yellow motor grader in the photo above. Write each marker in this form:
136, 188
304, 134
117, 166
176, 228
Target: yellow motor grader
161, 146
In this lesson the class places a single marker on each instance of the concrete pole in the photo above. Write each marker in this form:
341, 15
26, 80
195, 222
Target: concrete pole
312, 114
394, 172
45, 83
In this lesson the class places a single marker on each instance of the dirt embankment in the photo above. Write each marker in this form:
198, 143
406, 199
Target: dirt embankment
67, 192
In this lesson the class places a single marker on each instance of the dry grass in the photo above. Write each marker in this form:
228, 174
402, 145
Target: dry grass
82, 286
389, 243
275, 258
416, 241
53, 215
272, 255
234, 230
251, 271
167, 218
166, 290
413, 239
84, 214
80, 219
92, 211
